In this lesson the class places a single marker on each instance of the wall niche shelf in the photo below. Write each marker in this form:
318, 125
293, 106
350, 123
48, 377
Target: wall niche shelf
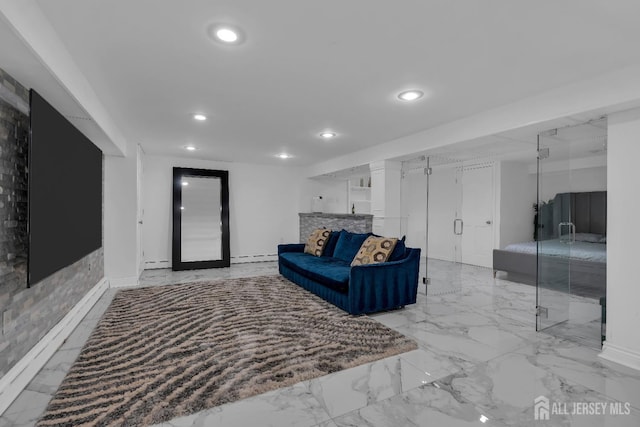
359, 196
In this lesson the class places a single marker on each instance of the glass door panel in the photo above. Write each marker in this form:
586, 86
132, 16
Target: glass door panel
572, 209
446, 229
556, 232
431, 205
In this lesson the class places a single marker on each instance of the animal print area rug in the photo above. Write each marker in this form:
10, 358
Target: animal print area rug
168, 351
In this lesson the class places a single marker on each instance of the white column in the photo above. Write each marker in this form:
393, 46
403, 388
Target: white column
623, 234
120, 220
385, 197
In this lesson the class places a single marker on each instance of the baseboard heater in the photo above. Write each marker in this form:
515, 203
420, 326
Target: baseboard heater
253, 258
234, 260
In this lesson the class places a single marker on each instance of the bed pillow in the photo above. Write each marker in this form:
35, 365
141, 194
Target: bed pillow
588, 237
317, 241
603, 240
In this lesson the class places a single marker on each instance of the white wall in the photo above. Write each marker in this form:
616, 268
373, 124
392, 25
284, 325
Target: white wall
517, 195
120, 219
623, 234
575, 180
263, 207
333, 192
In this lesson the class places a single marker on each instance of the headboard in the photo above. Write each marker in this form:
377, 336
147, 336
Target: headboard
586, 210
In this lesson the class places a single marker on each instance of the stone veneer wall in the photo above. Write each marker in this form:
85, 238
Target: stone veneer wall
27, 314
356, 223
14, 141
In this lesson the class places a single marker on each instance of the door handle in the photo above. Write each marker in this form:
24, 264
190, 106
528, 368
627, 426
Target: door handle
455, 226
572, 232
488, 222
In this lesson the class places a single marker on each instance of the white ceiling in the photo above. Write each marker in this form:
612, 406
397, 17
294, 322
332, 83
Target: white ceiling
310, 66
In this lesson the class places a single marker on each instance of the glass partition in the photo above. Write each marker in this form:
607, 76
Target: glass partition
555, 233
571, 231
431, 211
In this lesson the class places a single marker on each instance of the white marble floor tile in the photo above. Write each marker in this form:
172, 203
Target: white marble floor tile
329, 423
469, 336
435, 365
26, 409
400, 317
425, 406
293, 406
360, 386
505, 388
166, 276
582, 365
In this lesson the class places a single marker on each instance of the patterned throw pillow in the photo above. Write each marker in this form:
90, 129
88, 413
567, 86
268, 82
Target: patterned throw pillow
316, 241
374, 250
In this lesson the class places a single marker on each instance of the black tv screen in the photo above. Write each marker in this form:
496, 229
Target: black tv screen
65, 192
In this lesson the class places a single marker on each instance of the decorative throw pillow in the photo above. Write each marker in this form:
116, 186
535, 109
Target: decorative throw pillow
316, 241
399, 250
348, 245
374, 250
330, 246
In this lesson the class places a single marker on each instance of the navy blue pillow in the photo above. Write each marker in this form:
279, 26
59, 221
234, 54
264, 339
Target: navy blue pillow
348, 245
330, 246
399, 250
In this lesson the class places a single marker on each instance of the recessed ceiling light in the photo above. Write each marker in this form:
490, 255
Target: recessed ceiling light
410, 95
327, 134
227, 34
190, 148
185, 183
200, 117
284, 156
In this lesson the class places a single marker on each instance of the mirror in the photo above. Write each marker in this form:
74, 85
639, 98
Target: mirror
200, 219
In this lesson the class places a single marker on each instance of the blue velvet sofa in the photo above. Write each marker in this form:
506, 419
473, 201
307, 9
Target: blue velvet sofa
359, 289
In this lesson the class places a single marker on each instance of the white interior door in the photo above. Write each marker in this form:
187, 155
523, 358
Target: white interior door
444, 200
477, 238
414, 209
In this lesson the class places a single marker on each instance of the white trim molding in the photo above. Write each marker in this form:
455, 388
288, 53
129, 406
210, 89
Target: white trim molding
21, 374
244, 259
155, 265
620, 355
123, 282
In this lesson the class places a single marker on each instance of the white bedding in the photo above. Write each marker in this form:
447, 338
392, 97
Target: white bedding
586, 251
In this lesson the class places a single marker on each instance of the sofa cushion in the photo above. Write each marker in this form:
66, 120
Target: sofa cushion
374, 250
348, 245
399, 252
330, 247
328, 271
317, 241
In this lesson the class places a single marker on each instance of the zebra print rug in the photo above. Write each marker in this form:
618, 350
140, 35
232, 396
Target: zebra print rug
167, 351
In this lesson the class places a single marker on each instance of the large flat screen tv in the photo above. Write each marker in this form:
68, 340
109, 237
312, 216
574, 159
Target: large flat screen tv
65, 192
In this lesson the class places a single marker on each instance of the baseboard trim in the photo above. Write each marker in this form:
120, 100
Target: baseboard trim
620, 355
153, 265
123, 282
253, 258
239, 259
21, 374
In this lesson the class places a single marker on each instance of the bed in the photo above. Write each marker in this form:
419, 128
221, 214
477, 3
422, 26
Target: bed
586, 265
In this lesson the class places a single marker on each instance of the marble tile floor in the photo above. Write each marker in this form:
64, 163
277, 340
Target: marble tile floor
479, 362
